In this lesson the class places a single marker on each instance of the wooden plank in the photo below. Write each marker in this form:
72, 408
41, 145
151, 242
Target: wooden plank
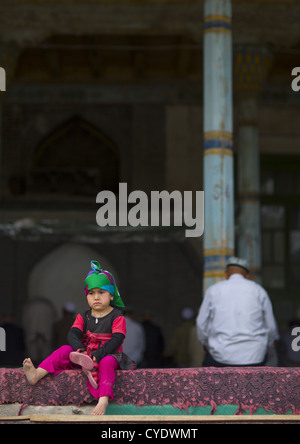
15, 418
165, 418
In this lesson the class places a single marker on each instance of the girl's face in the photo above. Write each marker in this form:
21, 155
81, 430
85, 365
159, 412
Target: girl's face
99, 299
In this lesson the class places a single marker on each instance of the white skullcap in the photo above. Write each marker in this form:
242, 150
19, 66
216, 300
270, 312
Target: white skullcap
238, 262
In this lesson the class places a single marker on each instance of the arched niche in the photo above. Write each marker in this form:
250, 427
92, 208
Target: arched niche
75, 159
59, 276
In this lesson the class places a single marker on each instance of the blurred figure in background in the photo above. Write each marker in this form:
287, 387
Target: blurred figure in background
38, 318
63, 325
153, 356
134, 343
196, 349
181, 338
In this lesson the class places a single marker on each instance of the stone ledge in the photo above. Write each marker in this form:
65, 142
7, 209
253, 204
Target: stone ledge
273, 389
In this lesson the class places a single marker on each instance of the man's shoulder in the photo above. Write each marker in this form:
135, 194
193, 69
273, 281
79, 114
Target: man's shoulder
257, 286
217, 286
241, 281
253, 284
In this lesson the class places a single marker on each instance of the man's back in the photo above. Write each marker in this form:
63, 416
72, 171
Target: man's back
236, 321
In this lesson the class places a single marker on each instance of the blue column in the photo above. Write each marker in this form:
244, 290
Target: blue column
249, 229
218, 154
251, 67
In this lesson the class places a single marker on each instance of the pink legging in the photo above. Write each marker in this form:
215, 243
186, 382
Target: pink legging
59, 361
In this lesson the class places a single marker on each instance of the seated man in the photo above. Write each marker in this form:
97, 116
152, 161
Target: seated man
235, 322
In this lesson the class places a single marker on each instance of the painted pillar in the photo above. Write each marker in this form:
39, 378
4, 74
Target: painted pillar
251, 65
218, 236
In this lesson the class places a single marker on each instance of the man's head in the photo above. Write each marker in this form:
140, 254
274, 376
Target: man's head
236, 265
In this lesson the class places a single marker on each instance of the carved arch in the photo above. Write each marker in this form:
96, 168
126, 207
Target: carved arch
75, 159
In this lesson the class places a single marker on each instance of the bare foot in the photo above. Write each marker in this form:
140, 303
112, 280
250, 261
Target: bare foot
33, 374
101, 407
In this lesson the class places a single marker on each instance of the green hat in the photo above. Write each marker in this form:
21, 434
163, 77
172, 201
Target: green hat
98, 278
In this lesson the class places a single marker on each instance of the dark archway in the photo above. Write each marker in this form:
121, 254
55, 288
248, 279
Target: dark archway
75, 159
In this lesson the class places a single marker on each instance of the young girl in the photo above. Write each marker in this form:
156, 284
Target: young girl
95, 341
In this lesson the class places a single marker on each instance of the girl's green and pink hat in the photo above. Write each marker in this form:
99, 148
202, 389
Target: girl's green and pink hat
98, 278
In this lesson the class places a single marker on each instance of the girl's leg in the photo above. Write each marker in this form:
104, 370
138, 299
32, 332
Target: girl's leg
107, 368
55, 363
33, 374
58, 360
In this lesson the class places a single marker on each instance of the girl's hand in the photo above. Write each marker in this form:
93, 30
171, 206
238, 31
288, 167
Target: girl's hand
81, 350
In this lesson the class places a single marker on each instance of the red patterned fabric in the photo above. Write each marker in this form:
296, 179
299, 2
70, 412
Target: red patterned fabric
274, 389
